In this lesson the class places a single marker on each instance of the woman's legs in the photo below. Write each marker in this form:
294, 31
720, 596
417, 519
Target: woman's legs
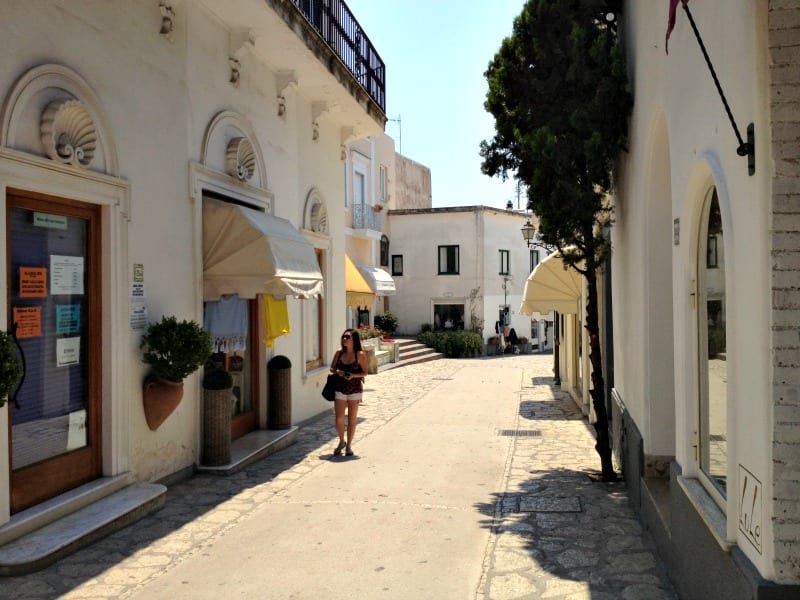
352, 419
339, 407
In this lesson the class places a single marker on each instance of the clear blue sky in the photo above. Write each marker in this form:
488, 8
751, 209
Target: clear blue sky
436, 52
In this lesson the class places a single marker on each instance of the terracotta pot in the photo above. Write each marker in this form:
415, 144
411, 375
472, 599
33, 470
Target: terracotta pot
161, 397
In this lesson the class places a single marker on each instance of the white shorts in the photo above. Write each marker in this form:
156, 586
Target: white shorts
341, 396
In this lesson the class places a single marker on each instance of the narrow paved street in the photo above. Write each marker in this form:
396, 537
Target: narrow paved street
469, 481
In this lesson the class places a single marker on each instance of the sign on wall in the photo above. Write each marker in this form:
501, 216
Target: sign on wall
750, 519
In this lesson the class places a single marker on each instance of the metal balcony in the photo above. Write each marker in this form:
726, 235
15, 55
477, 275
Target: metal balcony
365, 217
336, 25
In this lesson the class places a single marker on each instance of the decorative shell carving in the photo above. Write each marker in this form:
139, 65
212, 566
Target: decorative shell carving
68, 132
240, 159
319, 218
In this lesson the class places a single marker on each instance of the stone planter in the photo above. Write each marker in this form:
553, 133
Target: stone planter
492, 349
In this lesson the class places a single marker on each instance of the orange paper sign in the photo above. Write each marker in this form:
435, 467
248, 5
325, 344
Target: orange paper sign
28, 320
32, 282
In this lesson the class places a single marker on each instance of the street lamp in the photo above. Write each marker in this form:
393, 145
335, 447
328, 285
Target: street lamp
528, 232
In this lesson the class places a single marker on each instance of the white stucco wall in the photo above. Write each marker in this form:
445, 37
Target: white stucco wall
480, 233
681, 143
160, 96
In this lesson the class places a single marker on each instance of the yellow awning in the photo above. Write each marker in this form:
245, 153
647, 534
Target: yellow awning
550, 287
357, 290
248, 252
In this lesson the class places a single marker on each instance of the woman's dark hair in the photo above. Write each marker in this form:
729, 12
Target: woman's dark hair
356, 340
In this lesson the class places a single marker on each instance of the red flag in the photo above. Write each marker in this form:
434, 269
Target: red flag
673, 6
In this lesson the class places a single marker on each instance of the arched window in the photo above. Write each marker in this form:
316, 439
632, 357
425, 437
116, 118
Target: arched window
713, 435
384, 251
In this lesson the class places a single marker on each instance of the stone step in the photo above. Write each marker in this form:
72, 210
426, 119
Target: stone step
411, 352
45, 545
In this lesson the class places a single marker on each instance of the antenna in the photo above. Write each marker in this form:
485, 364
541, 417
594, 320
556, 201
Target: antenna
400, 127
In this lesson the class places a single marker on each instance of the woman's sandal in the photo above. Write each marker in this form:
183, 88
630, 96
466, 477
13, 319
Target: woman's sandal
348, 452
339, 449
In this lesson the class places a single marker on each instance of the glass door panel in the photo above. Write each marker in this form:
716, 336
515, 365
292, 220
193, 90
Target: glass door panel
713, 436
52, 299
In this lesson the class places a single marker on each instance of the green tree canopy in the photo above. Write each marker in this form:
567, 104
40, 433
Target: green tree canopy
558, 91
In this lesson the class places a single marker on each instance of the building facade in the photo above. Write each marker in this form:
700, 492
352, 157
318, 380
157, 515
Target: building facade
461, 268
705, 286
135, 136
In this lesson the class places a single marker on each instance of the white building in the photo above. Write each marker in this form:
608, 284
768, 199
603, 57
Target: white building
369, 194
705, 294
461, 267
122, 125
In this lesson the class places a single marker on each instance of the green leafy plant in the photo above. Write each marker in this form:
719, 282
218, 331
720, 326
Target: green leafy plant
387, 322
216, 378
175, 349
426, 327
453, 344
10, 366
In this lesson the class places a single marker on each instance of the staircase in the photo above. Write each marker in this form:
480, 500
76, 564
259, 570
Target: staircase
411, 352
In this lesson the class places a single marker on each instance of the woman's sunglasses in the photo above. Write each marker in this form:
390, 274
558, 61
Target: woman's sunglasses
346, 336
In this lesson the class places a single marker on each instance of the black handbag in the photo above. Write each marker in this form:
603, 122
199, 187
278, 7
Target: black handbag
329, 391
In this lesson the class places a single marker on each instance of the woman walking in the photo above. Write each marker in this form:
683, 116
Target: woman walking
350, 363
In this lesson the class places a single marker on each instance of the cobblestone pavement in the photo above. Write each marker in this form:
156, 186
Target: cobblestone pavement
555, 533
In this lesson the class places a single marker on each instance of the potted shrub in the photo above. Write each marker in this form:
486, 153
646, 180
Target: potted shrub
10, 365
173, 349
217, 394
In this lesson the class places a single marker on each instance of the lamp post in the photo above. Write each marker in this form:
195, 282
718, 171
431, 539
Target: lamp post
528, 234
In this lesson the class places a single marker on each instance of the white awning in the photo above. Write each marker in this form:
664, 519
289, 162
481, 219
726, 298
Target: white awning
550, 287
248, 252
379, 280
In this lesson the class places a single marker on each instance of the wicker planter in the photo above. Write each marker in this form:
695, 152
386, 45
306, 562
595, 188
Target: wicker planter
216, 427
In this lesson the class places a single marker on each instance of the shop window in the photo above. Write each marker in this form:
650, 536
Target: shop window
448, 316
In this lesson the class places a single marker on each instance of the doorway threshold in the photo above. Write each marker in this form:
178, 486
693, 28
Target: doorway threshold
253, 447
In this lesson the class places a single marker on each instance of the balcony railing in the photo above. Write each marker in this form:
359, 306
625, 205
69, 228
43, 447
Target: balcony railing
338, 27
365, 217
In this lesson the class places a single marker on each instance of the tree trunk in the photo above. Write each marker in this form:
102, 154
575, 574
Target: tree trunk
603, 445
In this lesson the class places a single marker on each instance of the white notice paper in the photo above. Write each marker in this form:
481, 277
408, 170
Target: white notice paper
66, 274
68, 351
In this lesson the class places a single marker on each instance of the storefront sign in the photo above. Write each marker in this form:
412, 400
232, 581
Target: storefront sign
750, 518
68, 351
32, 282
138, 315
49, 221
28, 320
68, 318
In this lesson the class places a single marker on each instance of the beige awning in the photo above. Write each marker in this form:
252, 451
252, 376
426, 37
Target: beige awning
550, 287
379, 280
357, 290
248, 252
